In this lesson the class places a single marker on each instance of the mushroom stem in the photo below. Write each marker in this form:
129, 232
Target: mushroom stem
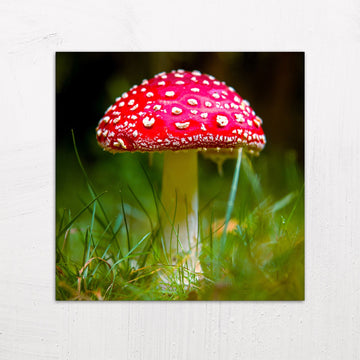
180, 200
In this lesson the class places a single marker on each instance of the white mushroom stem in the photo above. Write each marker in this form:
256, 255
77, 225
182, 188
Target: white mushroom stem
180, 199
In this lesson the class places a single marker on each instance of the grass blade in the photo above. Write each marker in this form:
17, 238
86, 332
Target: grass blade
231, 200
62, 231
126, 225
89, 184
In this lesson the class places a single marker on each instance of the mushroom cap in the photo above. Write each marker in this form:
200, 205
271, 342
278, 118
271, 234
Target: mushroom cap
180, 110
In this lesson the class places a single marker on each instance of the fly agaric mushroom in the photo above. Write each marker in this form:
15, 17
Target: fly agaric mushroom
180, 113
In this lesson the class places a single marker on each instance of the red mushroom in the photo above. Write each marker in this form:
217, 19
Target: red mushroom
174, 112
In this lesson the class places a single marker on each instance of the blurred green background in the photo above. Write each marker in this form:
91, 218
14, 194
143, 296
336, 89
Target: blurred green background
273, 83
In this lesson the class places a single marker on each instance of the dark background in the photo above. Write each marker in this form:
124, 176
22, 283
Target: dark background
87, 83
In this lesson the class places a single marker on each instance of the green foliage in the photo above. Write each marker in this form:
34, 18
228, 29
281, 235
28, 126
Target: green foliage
112, 248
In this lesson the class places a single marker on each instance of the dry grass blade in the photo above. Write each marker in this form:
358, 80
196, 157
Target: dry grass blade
80, 278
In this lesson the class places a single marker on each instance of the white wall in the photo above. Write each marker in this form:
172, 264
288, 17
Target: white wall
34, 326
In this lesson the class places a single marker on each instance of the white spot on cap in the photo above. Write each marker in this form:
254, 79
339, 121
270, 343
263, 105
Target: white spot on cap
161, 83
148, 122
176, 111
179, 75
143, 89
226, 106
204, 115
217, 82
194, 112
120, 142
194, 79
163, 76
208, 104
211, 77
116, 120
237, 99
144, 82
206, 82
239, 118
98, 133
231, 88
106, 119
222, 120
249, 122
170, 93
125, 95
234, 106
192, 102
195, 90
121, 104
216, 95
224, 93
203, 128
133, 117
246, 102
135, 133
180, 83
149, 94
257, 122
183, 125
134, 107
157, 107
196, 72
105, 132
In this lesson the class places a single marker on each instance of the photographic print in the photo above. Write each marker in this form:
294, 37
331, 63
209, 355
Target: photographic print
180, 176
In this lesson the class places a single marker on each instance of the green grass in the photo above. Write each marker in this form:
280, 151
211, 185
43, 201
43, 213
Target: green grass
109, 244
